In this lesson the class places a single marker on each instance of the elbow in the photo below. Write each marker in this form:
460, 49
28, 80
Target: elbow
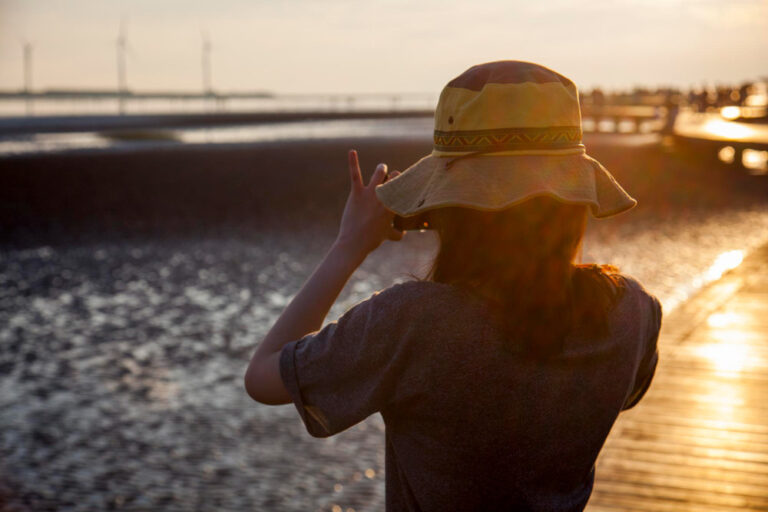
249, 386
259, 389
250, 381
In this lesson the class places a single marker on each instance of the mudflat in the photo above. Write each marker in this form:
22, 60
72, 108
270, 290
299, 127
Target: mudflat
134, 286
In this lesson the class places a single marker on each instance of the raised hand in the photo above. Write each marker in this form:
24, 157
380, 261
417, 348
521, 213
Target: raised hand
365, 222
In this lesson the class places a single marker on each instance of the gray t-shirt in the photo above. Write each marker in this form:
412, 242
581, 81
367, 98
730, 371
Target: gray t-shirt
470, 425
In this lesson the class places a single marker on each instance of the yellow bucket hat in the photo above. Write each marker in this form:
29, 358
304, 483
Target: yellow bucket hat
505, 131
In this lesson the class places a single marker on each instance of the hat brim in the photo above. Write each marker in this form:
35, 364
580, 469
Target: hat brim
495, 182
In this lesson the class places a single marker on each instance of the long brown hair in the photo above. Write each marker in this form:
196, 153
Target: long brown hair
522, 259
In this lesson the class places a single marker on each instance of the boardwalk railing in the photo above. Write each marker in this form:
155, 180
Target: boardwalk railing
623, 118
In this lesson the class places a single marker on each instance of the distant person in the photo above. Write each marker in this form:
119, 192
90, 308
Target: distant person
692, 99
598, 97
671, 109
500, 375
744, 92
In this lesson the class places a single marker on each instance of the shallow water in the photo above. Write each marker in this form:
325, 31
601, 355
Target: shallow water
37, 143
122, 363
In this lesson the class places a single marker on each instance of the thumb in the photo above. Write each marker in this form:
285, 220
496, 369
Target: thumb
395, 234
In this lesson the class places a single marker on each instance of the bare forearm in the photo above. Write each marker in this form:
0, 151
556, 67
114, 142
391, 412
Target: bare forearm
365, 224
308, 309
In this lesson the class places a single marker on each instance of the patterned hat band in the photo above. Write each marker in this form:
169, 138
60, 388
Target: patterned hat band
535, 139
578, 149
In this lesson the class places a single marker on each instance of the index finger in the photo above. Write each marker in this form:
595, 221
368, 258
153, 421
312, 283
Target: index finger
354, 170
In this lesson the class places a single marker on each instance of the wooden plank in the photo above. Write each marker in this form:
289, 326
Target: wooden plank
719, 434
684, 437
658, 490
668, 446
687, 381
659, 416
683, 463
698, 441
698, 406
677, 484
614, 463
621, 501
672, 366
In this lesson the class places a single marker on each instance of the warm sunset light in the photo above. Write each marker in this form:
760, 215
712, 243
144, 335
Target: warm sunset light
295, 255
723, 403
722, 319
727, 154
756, 161
730, 112
278, 46
728, 130
727, 358
725, 262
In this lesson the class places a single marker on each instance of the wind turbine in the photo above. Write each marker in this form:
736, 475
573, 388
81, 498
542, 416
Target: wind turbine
206, 63
27, 53
27, 50
122, 47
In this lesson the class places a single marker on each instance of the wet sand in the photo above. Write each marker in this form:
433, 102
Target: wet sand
126, 324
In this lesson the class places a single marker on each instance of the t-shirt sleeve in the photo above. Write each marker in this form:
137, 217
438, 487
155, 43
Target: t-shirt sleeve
348, 370
650, 358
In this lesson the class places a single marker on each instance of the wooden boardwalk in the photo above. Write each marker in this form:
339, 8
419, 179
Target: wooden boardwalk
713, 127
698, 441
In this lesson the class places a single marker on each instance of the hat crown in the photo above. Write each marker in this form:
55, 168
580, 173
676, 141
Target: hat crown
507, 105
507, 72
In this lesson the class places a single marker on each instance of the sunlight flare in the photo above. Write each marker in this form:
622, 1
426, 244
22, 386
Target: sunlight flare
725, 358
720, 320
725, 261
730, 112
728, 130
756, 161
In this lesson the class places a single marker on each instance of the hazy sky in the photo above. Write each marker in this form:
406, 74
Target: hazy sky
381, 45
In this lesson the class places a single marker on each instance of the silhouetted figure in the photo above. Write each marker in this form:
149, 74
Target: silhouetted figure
499, 375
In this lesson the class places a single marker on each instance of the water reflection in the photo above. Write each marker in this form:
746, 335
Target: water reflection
47, 142
419, 127
723, 263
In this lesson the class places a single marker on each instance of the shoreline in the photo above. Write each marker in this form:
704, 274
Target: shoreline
100, 122
286, 184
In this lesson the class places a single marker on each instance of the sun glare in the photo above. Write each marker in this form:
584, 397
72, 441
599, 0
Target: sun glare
727, 154
729, 352
756, 161
728, 130
725, 358
725, 401
725, 262
721, 320
731, 112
